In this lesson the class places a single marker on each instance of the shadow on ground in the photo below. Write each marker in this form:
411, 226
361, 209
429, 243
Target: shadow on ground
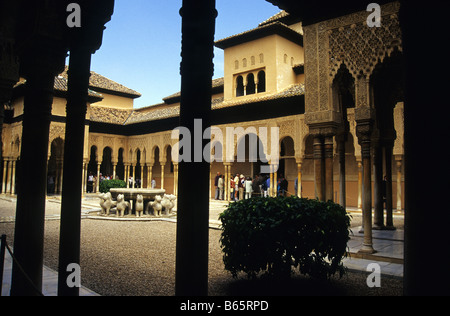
351, 284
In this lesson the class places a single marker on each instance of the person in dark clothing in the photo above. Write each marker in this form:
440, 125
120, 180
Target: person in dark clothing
283, 186
216, 185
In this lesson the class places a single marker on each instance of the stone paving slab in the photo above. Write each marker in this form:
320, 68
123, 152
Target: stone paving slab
49, 281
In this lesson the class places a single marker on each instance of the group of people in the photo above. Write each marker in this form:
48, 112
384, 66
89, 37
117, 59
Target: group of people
242, 187
92, 182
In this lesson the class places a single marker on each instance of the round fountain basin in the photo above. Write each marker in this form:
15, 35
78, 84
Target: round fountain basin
131, 194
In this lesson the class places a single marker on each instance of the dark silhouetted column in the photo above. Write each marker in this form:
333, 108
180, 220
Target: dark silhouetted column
197, 68
32, 183
69, 249
84, 41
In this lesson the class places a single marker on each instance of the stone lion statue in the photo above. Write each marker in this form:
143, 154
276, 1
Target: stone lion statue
122, 206
168, 203
106, 203
139, 205
156, 205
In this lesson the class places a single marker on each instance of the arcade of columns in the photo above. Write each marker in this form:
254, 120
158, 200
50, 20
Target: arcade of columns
347, 46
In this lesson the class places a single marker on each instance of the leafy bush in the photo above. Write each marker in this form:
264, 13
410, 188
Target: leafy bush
107, 185
274, 235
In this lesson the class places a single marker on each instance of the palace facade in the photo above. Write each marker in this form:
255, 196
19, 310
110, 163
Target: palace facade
263, 86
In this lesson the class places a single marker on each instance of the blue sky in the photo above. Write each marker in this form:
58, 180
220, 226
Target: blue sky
142, 43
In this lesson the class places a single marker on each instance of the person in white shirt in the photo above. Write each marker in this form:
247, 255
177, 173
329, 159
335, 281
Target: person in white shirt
248, 188
220, 186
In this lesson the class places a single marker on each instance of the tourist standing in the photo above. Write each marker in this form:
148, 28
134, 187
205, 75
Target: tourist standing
283, 186
94, 188
248, 188
220, 186
241, 186
232, 193
216, 185
50, 185
236, 187
90, 184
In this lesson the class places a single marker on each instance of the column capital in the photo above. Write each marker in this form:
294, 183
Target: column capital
364, 131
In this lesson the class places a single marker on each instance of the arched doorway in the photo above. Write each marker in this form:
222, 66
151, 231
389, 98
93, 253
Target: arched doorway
55, 167
106, 168
138, 170
120, 169
288, 166
386, 81
92, 170
250, 156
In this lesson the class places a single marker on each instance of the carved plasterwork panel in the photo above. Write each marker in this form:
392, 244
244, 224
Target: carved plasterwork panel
361, 47
399, 122
349, 40
57, 130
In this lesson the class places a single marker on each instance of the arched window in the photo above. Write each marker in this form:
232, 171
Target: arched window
244, 62
285, 58
251, 87
239, 86
261, 58
261, 81
236, 64
252, 59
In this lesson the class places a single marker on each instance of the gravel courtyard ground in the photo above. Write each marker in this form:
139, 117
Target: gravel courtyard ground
138, 259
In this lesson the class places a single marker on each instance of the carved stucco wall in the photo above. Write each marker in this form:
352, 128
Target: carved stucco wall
347, 40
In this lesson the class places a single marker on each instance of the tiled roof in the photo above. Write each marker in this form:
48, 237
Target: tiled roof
103, 83
105, 114
216, 83
164, 111
61, 85
153, 113
291, 91
261, 31
276, 17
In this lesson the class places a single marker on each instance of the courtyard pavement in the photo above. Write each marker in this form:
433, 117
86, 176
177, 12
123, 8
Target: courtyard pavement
388, 244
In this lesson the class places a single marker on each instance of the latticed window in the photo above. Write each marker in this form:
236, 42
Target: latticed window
239, 86
261, 81
251, 87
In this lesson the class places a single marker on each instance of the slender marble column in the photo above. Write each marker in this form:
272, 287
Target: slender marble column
399, 185
299, 180
319, 168
328, 147
364, 132
378, 183
389, 211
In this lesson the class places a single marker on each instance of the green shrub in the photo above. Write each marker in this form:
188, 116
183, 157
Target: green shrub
274, 235
107, 185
